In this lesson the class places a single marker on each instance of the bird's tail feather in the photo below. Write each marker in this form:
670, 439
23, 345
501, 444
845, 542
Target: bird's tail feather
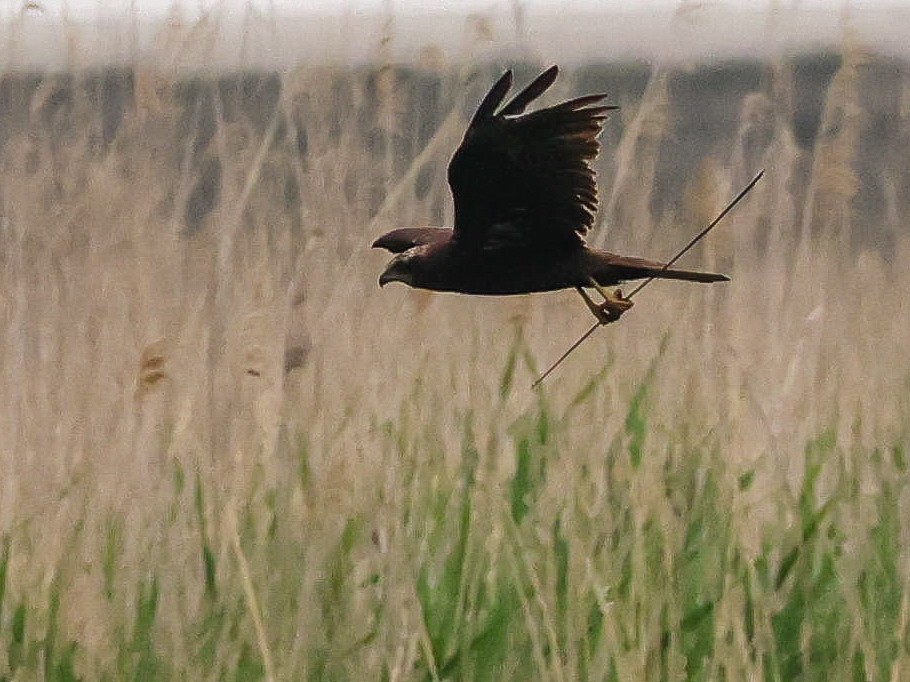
628, 268
688, 275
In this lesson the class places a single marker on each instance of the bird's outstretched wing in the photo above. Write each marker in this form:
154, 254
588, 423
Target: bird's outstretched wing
525, 180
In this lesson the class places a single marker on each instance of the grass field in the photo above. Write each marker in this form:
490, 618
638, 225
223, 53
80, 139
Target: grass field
227, 455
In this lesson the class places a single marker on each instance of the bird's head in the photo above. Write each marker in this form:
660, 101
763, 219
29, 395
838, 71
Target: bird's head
396, 241
403, 267
402, 239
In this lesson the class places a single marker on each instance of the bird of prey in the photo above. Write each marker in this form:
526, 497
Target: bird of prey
525, 196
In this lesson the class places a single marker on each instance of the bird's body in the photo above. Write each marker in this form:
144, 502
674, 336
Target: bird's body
525, 197
444, 265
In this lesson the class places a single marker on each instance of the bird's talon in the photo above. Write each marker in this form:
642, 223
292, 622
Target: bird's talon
605, 316
612, 308
610, 313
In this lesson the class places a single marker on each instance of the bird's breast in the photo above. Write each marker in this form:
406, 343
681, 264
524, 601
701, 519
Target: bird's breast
499, 273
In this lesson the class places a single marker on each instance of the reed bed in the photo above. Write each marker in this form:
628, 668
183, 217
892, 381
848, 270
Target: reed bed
226, 454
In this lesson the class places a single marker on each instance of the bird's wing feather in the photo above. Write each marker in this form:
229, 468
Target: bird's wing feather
537, 87
525, 180
487, 107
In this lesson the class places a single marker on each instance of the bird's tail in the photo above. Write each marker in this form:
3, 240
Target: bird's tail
627, 268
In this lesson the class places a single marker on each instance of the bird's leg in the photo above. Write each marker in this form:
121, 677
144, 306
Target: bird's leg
611, 309
601, 311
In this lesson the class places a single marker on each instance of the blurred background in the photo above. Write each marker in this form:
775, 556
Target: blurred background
226, 454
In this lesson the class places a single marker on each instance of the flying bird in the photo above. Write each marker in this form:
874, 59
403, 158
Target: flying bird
525, 197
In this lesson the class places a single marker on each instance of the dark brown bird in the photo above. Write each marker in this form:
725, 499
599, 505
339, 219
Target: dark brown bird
525, 197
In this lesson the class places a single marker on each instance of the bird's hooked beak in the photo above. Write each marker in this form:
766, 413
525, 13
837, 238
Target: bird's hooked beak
385, 278
396, 271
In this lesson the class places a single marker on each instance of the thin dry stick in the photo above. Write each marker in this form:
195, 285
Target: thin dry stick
641, 286
251, 602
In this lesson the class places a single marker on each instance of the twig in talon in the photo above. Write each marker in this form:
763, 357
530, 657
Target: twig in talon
657, 275
568, 352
